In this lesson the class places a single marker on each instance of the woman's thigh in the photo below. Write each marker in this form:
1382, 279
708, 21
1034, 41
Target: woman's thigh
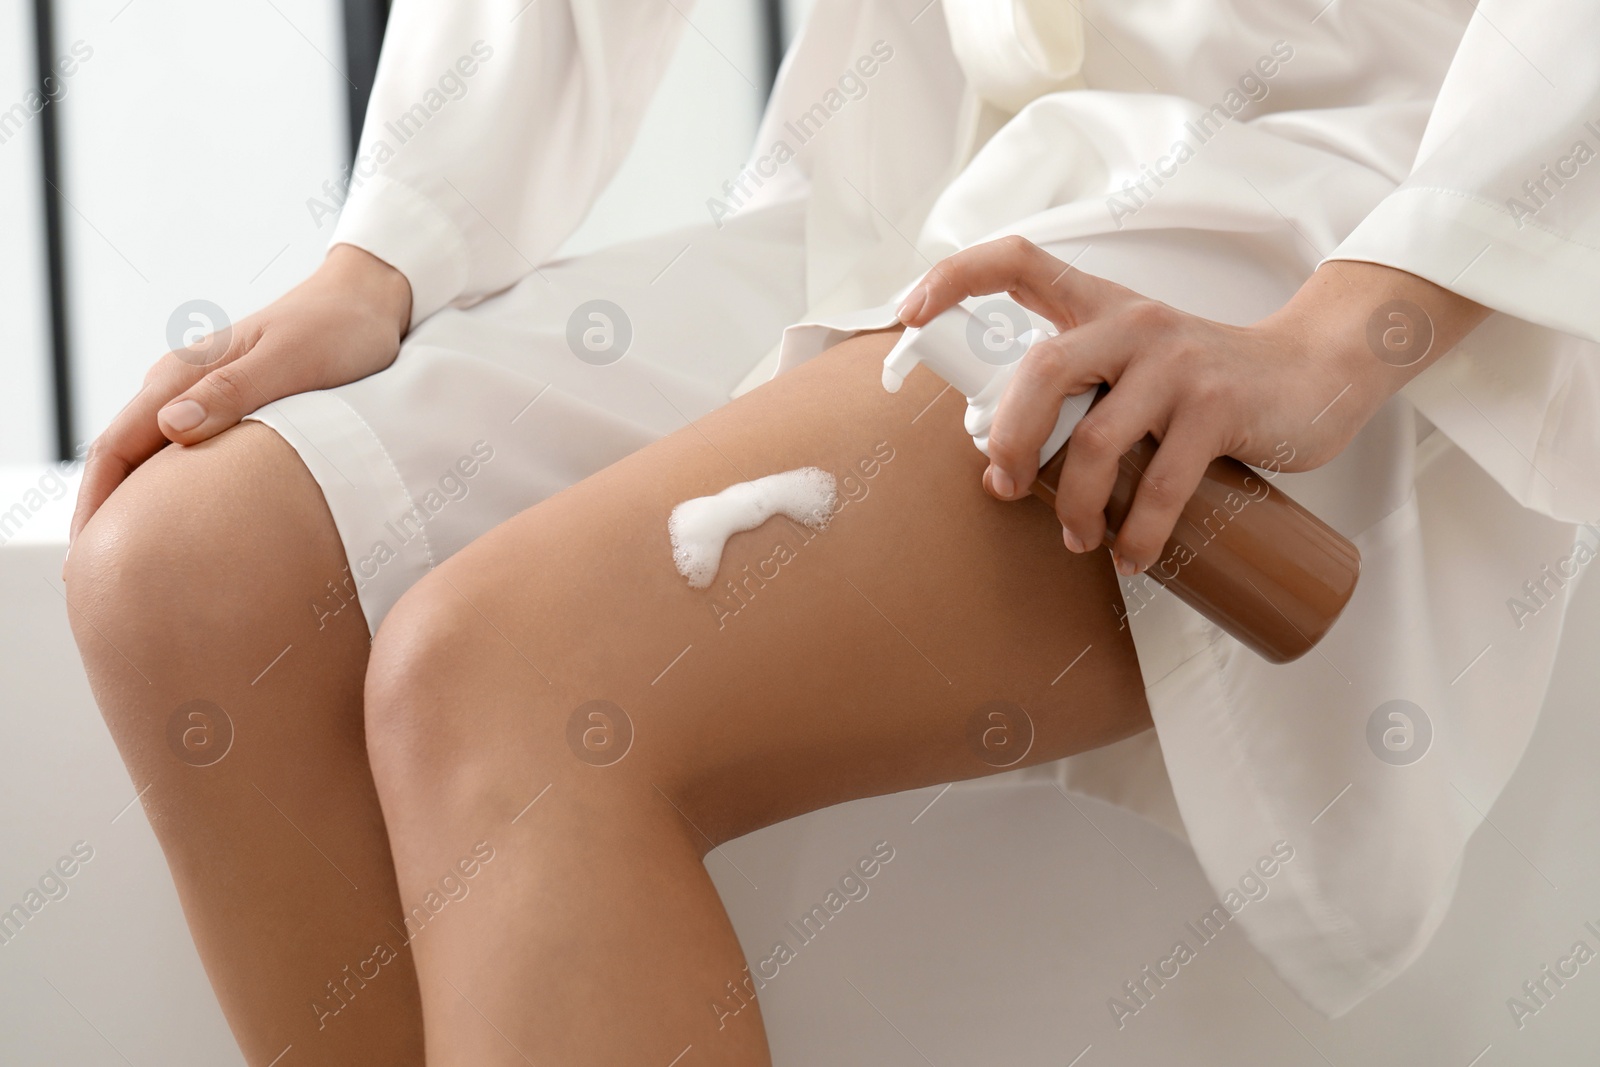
929, 633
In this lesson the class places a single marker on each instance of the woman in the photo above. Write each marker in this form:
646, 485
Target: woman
1261, 223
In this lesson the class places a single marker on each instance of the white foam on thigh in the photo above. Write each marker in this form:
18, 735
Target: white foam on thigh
699, 528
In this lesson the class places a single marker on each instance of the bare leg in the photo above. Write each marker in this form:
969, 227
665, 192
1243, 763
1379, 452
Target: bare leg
192, 580
857, 663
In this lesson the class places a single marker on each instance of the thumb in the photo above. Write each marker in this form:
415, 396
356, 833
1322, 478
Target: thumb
226, 395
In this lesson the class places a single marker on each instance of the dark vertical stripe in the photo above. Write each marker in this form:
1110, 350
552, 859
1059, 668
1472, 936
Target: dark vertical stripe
772, 38
44, 38
364, 21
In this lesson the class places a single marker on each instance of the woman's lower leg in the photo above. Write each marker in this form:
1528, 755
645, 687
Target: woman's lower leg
226, 650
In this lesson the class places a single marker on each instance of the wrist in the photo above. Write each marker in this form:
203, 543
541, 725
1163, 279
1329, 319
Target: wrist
1373, 327
370, 281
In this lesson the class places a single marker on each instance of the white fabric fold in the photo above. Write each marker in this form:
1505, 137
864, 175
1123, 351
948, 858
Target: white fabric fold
1013, 51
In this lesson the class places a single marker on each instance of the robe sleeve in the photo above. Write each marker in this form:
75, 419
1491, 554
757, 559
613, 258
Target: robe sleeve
1502, 204
492, 128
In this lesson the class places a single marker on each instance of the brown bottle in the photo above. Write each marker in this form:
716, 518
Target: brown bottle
1243, 554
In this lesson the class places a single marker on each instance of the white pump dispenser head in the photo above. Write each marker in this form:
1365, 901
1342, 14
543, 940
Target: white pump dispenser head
976, 347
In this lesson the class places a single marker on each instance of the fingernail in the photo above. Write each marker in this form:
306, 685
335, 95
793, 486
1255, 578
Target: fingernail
1001, 482
1125, 567
912, 304
1070, 539
184, 415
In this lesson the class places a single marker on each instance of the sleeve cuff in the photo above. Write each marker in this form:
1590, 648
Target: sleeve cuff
1475, 248
409, 232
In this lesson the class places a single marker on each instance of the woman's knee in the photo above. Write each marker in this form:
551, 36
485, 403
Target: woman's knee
437, 675
465, 706
408, 671
197, 547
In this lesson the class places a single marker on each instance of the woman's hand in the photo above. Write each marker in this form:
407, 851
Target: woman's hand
342, 323
1290, 390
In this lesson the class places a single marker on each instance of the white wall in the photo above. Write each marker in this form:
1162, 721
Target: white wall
191, 140
26, 427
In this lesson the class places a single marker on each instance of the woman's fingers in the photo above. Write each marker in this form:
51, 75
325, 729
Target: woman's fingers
230, 389
148, 422
1134, 407
1109, 334
131, 437
1168, 482
1039, 281
1050, 371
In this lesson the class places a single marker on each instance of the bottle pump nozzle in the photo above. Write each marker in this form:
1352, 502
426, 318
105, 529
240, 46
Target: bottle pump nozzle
976, 346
